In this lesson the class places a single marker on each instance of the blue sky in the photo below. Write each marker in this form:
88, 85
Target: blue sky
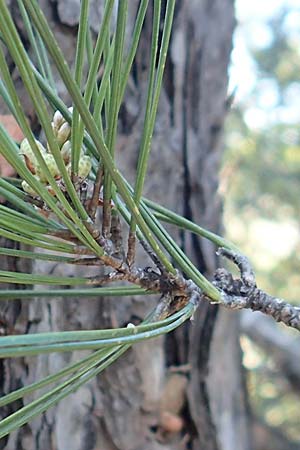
261, 109
253, 31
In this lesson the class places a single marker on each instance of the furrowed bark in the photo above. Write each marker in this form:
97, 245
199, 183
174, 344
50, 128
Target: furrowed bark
122, 409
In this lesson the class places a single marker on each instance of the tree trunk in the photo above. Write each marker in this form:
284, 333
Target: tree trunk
185, 391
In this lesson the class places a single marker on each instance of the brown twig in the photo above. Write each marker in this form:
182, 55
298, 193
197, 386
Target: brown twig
87, 262
108, 278
106, 218
153, 256
131, 248
94, 201
116, 236
145, 278
65, 234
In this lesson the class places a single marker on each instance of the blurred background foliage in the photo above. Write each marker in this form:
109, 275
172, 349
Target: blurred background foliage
261, 181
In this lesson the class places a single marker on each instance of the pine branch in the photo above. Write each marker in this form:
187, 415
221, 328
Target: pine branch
243, 293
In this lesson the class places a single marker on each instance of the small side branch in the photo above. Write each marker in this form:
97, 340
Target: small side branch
243, 293
94, 201
242, 262
131, 249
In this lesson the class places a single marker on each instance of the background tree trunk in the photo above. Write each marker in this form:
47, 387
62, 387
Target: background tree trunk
192, 377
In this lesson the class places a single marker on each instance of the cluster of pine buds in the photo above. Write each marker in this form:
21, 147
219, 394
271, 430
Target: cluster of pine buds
62, 133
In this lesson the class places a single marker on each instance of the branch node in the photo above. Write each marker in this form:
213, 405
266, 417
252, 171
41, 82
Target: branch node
242, 262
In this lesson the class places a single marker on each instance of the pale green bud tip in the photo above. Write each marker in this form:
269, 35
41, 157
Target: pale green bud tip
27, 188
63, 133
26, 149
84, 167
27, 156
52, 166
41, 147
69, 168
58, 120
66, 152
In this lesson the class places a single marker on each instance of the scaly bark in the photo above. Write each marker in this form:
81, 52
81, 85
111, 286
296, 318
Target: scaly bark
122, 408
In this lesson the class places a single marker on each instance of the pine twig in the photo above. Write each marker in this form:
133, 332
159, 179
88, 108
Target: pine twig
116, 236
131, 248
94, 201
243, 293
152, 255
106, 223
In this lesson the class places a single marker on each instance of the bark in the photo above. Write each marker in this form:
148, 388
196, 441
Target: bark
131, 405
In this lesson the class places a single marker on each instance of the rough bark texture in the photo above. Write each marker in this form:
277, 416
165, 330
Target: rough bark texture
129, 405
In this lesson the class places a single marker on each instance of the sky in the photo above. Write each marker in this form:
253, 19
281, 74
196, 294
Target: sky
253, 30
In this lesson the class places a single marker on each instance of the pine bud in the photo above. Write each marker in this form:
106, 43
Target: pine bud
84, 167
52, 166
66, 152
58, 120
69, 168
63, 133
41, 147
25, 148
27, 188
28, 156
